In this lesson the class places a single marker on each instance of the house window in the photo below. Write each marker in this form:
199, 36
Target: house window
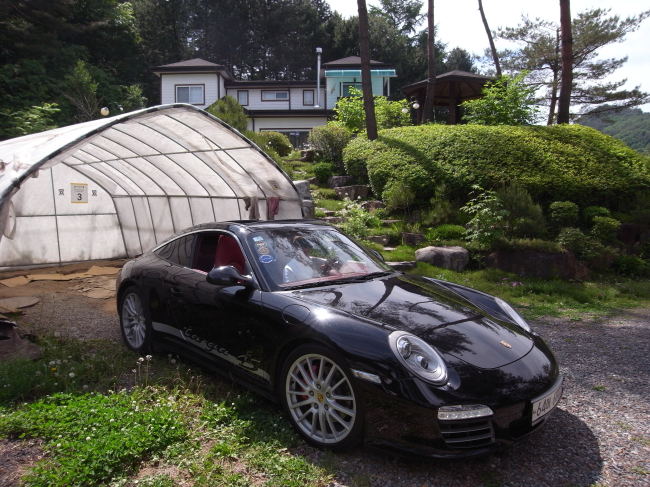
242, 97
308, 97
345, 89
190, 94
268, 95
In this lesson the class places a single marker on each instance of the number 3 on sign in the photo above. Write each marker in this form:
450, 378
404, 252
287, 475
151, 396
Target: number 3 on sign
79, 193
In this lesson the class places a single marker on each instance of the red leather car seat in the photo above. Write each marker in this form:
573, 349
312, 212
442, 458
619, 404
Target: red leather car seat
229, 253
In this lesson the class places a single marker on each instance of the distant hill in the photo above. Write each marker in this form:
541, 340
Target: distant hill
631, 125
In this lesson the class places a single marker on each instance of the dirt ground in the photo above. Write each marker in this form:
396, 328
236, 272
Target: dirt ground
598, 436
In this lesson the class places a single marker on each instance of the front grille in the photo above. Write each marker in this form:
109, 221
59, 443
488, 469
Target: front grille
467, 433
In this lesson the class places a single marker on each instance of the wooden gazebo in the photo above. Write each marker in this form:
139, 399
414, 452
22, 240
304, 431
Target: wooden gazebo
451, 89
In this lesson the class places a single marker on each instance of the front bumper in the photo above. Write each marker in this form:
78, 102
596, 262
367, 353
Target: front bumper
400, 425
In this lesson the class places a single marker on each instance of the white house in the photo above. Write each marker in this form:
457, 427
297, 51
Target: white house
290, 107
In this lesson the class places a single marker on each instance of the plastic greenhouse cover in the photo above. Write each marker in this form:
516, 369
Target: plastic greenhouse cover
116, 187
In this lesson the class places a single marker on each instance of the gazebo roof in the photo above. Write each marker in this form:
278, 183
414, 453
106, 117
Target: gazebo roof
455, 84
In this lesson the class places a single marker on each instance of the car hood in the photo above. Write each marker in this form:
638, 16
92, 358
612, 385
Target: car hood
446, 320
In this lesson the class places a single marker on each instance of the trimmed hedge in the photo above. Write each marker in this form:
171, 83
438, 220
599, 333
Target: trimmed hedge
562, 162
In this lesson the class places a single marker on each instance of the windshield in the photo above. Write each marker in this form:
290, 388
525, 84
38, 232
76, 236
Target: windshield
291, 257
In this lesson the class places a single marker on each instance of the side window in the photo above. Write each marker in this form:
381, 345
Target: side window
206, 251
178, 251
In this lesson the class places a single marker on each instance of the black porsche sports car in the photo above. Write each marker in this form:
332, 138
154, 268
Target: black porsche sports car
352, 348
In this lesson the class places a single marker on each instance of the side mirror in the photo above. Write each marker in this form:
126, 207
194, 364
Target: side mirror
227, 275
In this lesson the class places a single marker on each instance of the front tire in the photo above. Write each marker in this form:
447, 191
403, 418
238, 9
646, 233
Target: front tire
134, 321
318, 393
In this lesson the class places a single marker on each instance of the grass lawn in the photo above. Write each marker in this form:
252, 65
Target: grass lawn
554, 297
104, 424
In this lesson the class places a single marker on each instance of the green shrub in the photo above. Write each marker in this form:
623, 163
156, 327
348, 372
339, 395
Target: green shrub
446, 232
323, 171
275, 140
398, 196
563, 213
583, 246
357, 220
552, 163
525, 217
590, 212
536, 244
605, 229
630, 265
350, 112
487, 218
329, 141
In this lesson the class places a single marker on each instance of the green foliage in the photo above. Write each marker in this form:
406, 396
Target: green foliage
401, 253
563, 213
605, 229
631, 265
91, 437
551, 163
487, 218
583, 246
31, 120
231, 112
323, 171
535, 244
277, 141
398, 195
505, 101
525, 217
357, 220
446, 232
329, 141
350, 112
590, 212
81, 92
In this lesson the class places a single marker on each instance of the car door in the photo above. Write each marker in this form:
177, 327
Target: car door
224, 322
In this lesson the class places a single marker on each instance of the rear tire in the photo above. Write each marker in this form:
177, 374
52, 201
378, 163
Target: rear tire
321, 398
135, 323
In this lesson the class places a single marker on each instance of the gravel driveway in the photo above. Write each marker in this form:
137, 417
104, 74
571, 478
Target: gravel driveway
599, 435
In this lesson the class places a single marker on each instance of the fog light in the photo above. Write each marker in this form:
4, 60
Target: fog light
462, 411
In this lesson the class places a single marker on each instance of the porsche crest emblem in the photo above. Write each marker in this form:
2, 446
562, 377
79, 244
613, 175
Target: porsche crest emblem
505, 344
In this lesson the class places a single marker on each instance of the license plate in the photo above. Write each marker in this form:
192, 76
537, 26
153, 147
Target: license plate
545, 403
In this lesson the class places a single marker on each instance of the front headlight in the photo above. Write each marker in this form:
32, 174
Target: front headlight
418, 357
507, 309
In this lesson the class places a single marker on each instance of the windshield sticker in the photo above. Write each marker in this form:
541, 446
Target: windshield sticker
258, 239
262, 248
266, 259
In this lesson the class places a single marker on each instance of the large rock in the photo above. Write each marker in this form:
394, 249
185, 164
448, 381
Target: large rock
454, 258
354, 192
372, 205
533, 263
303, 189
339, 181
308, 210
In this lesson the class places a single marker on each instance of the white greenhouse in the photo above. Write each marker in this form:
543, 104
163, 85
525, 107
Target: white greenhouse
118, 186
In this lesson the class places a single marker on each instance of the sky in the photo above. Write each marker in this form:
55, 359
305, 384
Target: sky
459, 25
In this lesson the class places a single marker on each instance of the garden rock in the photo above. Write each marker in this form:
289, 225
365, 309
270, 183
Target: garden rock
12, 345
372, 205
308, 208
380, 239
354, 192
390, 222
412, 238
532, 263
454, 258
339, 181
